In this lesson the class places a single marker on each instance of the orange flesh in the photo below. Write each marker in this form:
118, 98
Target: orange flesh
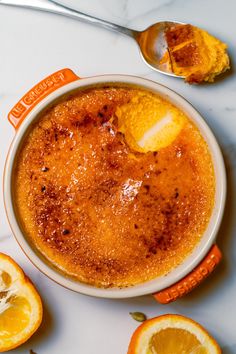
100, 212
175, 340
15, 319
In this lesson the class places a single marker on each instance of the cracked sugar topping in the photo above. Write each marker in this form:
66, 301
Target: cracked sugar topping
98, 209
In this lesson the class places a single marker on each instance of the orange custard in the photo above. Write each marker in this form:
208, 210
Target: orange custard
114, 186
195, 54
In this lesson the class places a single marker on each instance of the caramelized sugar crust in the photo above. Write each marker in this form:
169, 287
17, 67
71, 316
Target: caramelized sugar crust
102, 213
182, 46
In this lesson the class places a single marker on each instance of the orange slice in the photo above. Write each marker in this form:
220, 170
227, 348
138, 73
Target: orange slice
172, 334
20, 305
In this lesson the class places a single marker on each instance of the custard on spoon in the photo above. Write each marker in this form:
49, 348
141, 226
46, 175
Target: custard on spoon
194, 54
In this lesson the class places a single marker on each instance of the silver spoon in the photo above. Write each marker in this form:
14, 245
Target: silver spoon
151, 41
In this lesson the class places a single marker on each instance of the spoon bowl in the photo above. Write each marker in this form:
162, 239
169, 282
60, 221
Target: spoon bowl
152, 44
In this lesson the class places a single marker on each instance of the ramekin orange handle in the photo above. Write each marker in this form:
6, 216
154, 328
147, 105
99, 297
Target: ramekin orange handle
192, 280
37, 93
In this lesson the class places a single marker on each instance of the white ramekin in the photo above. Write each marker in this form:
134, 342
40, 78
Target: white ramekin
43, 96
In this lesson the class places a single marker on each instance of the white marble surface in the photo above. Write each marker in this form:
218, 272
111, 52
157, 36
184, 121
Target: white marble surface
33, 45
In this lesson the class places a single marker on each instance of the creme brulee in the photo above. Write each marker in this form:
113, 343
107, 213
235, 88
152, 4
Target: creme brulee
195, 54
114, 186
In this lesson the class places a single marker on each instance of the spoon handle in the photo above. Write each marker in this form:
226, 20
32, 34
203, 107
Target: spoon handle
54, 7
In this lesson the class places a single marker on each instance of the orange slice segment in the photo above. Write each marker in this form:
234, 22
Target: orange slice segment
172, 334
20, 305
